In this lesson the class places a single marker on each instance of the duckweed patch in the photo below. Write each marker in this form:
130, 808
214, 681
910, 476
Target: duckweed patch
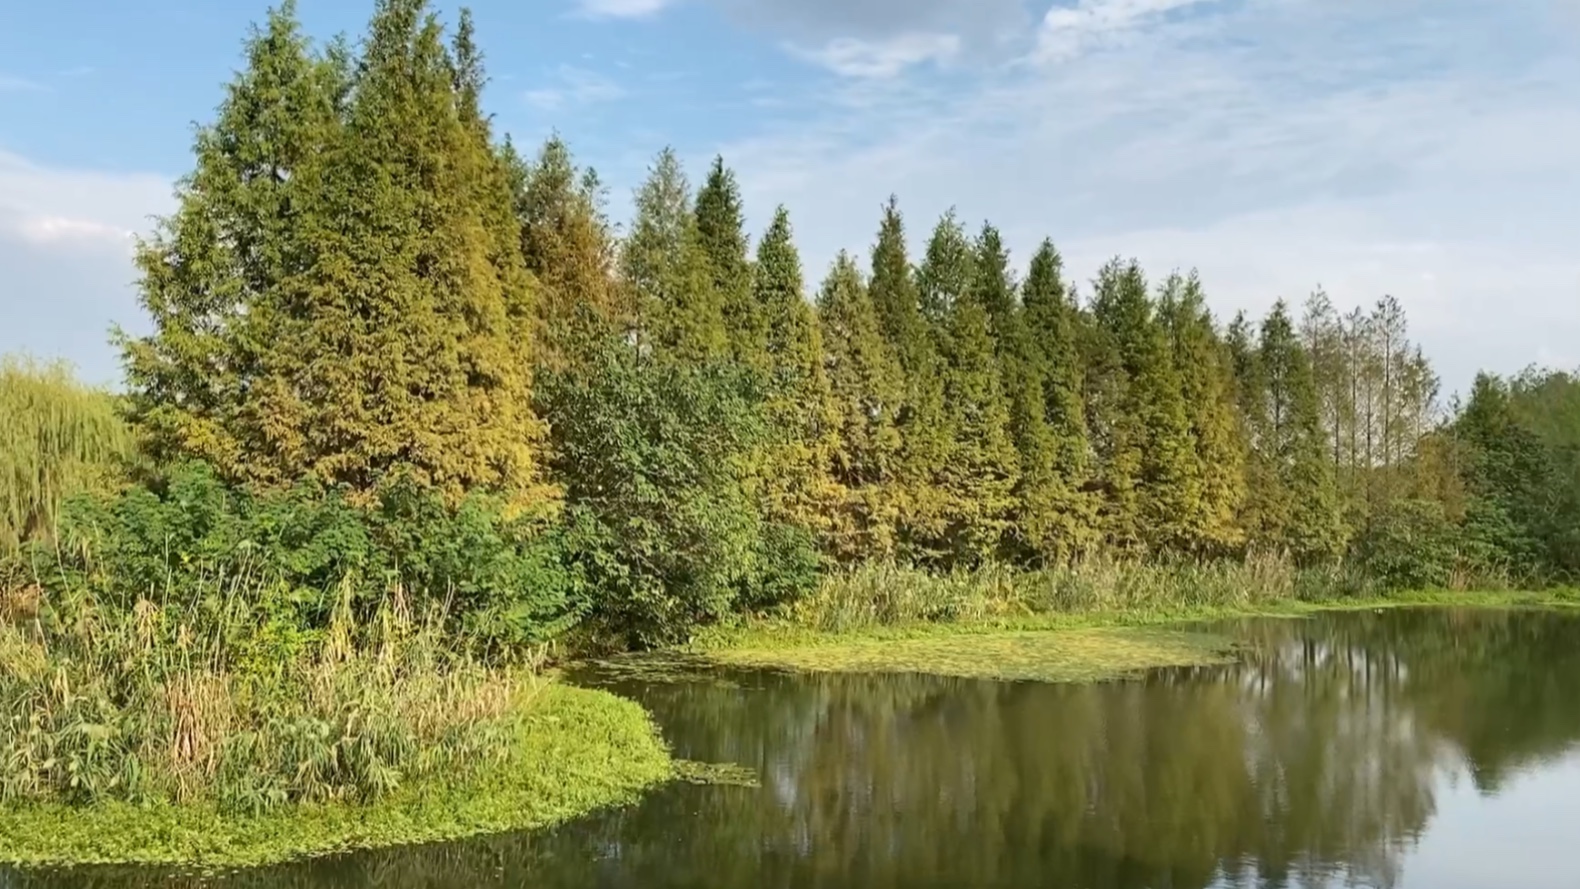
576, 751
1085, 655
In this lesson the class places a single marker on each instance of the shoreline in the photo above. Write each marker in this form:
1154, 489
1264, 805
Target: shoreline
1051, 647
579, 751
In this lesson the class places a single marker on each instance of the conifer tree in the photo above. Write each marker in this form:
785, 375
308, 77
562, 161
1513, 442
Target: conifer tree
925, 440
568, 247
1147, 466
666, 269
1060, 514
1207, 385
977, 477
868, 388
722, 228
1299, 507
383, 324
800, 408
212, 274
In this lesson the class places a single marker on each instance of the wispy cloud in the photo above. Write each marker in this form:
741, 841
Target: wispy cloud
1070, 30
1415, 148
853, 57
12, 84
573, 86
620, 9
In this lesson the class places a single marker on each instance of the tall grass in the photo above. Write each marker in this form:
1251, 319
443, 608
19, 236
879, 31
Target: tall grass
57, 437
215, 698
881, 594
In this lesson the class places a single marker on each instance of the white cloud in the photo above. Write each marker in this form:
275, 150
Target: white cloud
1069, 30
1417, 148
10, 84
853, 57
574, 86
65, 238
621, 9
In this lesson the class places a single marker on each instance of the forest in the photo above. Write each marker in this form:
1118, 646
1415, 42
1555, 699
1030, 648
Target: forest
411, 397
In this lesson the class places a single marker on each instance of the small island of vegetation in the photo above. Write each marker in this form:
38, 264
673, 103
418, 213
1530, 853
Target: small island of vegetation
413, 425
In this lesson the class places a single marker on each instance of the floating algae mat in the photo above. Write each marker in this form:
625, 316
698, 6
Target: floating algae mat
1048, 656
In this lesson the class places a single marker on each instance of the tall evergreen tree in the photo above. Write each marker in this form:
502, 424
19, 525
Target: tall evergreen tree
1207, 385
801, 409
977, 478
1144, 433
213, 273
1059, 514
1298, 508
567, 244
868, 389
722, 228
895, 300
665, 266
384, 330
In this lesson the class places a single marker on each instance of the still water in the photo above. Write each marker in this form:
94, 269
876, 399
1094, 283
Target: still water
1423, 749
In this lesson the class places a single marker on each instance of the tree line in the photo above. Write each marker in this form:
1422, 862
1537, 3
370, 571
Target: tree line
364, 283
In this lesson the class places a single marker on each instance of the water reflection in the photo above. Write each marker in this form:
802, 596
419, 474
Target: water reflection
1320, 760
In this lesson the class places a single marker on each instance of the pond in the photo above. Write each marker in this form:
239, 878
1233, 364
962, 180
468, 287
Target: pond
1423, 749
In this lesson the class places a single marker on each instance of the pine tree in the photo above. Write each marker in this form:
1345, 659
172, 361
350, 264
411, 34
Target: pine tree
375, 302
212, 274
1207, 385
1141, 423
568, 247
722, 229
799, 486
977, 478
868, 388
1300, 509
1059, 515
666, 269
895, 300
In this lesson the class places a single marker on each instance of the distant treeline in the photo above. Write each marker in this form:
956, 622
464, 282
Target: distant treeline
367, 298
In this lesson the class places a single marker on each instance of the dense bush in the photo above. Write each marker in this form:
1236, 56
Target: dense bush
189, 536
651, 454
1410, 545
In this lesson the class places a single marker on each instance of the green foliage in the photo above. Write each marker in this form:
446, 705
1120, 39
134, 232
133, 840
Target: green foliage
341, 289
1411, 545
1141, 430
57, 438
654, 458
867, 388
721, 226
800, 411
567, 245
569, 752
664, 264
502, 581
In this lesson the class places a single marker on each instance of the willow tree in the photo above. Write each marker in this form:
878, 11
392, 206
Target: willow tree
57, 438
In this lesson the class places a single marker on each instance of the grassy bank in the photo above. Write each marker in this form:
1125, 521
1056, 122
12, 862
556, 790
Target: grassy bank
1084, 623
573, 751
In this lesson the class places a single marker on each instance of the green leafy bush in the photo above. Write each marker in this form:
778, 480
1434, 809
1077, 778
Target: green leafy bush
1411, 544
503, 582
651, 455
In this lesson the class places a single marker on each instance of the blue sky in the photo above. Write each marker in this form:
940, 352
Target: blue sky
1424, 148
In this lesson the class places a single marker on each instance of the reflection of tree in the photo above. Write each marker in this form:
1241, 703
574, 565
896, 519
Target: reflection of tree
1313, 759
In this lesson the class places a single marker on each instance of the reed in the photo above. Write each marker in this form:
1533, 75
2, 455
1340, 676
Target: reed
883, 594
57, 437
212, 699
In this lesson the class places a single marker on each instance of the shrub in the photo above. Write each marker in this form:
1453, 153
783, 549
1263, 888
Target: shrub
1411, 544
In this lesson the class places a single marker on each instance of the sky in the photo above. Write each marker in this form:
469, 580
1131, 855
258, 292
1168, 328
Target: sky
1427, 149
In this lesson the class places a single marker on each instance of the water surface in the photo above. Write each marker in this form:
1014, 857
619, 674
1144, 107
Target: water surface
1422, 749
